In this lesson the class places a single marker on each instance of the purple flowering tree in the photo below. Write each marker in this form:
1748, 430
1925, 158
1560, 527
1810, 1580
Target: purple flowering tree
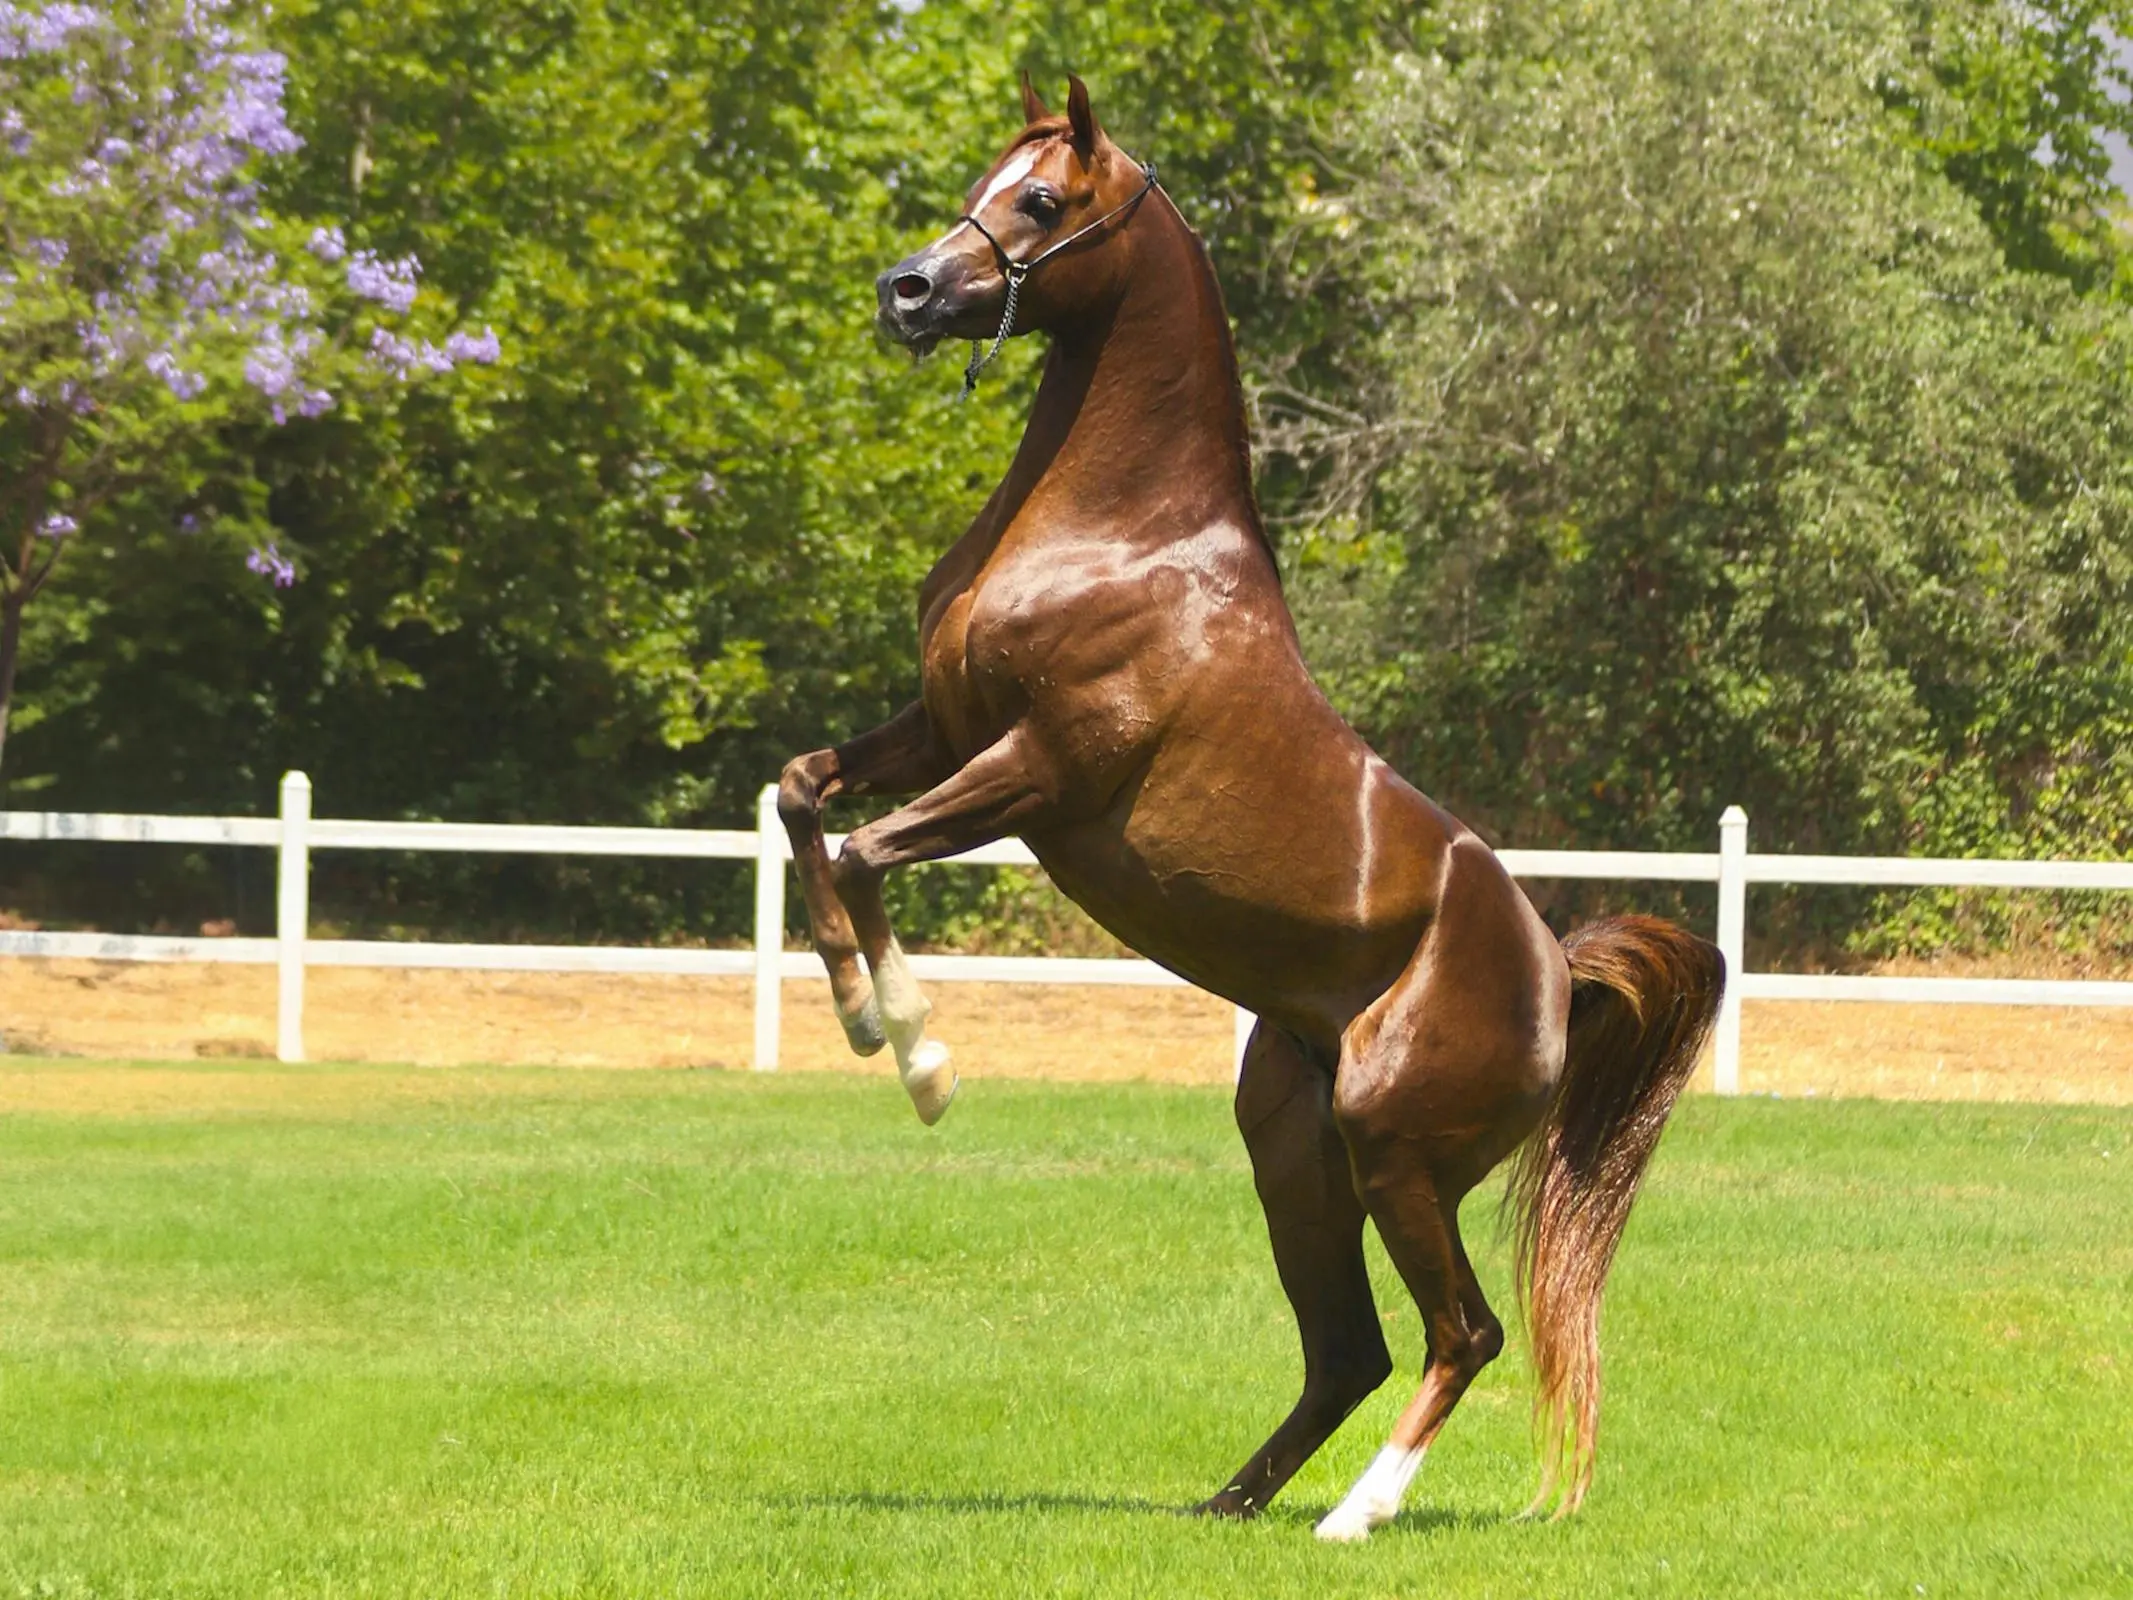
146, 298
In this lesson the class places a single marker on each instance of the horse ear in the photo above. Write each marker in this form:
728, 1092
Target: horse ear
1081, 116
1033, 107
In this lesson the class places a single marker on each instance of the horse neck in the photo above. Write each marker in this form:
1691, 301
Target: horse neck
1144, 402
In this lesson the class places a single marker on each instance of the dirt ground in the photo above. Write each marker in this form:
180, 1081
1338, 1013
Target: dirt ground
148, 1011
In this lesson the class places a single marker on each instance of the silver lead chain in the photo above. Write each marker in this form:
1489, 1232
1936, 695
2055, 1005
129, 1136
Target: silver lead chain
980, 356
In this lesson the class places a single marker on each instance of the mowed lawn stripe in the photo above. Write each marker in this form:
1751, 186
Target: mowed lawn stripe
357, 1331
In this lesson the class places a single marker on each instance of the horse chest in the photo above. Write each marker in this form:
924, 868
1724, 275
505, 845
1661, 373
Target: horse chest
991, 658
960, 676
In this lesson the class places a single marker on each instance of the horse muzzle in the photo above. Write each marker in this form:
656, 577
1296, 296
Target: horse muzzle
928, 297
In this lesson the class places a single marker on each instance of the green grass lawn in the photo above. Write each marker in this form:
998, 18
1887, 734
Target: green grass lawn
351, 1331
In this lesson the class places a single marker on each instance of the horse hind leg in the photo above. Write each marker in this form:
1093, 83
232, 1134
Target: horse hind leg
1315, 1222
1411, 1171
1420, 1230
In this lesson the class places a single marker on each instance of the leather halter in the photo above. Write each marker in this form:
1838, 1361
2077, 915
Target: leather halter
1016, 271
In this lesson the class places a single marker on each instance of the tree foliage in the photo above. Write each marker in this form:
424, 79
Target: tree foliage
1699, 443
148, 304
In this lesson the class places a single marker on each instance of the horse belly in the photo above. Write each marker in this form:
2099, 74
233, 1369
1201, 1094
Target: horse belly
1280, 902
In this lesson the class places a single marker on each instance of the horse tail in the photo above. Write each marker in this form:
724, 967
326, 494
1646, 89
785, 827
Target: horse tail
1643, 996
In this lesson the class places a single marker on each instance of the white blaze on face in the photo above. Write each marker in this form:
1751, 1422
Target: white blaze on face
1017, 168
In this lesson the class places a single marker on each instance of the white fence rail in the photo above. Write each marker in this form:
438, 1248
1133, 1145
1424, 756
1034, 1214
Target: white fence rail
295, 834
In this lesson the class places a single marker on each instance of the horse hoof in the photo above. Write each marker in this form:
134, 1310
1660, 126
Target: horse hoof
1231, 1505
1344, 1524
863, 1030
930, 1080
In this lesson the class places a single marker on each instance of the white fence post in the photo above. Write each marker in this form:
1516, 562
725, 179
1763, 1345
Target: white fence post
769, 926
292, 913
1732, 943
1245, 1023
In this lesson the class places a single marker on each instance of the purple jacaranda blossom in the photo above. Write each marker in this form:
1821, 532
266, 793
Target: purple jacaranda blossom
271, 366
391, 283
103, 343
482, 348
57, 526
251, 110
164, 170
89, 176
401, 357
290, 302
185, 385
238, 281
271, 563
40, 32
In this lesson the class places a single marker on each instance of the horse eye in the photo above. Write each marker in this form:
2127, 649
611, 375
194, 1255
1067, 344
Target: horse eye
1040, 205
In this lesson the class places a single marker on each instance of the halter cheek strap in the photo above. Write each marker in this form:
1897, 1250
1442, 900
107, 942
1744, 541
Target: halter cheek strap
1016, 271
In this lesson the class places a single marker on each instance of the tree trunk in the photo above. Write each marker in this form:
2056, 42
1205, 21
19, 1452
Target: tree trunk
10, 644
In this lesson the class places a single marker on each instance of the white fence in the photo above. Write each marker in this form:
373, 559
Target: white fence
295, 834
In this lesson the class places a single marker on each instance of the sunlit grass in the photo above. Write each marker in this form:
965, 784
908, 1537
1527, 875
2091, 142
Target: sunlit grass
357, 1331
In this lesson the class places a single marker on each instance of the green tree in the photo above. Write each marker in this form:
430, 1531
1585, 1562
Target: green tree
149, 303
2013, 104
1698, 443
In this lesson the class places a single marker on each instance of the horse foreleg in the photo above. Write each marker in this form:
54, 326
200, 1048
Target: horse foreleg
898, 757
987, 799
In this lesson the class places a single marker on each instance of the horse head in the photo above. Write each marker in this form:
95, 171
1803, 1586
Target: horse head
1055, 198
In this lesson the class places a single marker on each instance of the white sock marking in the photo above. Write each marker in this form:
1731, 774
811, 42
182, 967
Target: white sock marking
921, 1063
1375, 1499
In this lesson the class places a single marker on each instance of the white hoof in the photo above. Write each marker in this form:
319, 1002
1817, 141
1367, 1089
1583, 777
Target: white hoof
929, 1079
1344, 1524
1375, 1499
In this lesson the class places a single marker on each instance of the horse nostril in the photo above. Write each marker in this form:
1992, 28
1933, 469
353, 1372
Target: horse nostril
912, 290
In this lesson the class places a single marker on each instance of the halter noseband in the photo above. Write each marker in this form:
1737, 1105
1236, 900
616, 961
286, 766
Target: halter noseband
1016, 271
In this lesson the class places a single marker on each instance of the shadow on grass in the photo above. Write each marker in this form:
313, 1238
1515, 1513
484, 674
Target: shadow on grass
966, 1504
1422, 1520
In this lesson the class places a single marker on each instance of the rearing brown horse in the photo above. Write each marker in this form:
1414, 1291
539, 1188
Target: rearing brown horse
1110, 671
